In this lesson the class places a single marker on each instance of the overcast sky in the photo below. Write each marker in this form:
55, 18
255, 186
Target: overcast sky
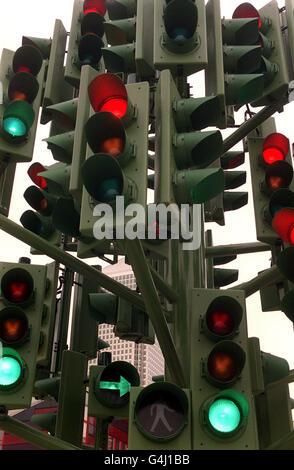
36, 18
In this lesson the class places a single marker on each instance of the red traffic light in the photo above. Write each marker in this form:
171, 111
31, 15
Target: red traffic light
275, 148
17, 286
33, 173
96, 6
246, 10
283, 224
220, 322
107, 92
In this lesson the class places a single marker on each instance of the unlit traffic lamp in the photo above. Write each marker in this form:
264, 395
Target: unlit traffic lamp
272, 182
180, 36
222, 404
22, 294
273, 61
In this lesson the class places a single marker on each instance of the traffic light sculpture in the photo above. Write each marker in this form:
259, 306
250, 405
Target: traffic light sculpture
272, 183
178, 148
22, 76
222, 402
273, 61
180, 36
22, 299
116, 160
234, 58
85, 41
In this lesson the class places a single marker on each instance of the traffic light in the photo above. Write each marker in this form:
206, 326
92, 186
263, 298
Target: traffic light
85, 39
22, 300
228, 200
117, 155
39, 220
131, 324
271, 389
180, 36
222, 401
109, 389
130, 47
179, 148
22, 77
273, 61
234, 59
48, 316
160, 417
272, 183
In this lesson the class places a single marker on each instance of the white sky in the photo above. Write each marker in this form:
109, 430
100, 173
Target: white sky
36, 18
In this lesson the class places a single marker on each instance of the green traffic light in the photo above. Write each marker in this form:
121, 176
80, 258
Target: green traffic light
14, 126
10, 369
224, 415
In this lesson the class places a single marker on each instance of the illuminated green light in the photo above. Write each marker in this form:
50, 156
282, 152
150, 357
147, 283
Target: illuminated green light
10, 371
14, 126
224, 415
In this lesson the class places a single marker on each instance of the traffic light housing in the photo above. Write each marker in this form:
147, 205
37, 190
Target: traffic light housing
273, 61
109, 389
160, 417
22, 76
130, 45
131, 324
272, 182
228, 201
234, 58
181, 173
180, 36
22, 301
117, 155
222, 400
86, 38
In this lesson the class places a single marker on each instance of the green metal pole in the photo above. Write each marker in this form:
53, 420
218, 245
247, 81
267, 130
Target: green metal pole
32, 435
145, 282
238, 249
70, 261
250, 125
270, 276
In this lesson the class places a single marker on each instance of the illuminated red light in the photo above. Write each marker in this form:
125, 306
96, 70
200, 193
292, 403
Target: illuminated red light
108, 93
17, 292
246, 10
275, 148
283, 224
33, 173
23, 68
94, 6
222, 366
220, 323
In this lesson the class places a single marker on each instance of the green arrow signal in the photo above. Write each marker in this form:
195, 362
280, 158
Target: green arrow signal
123, 386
